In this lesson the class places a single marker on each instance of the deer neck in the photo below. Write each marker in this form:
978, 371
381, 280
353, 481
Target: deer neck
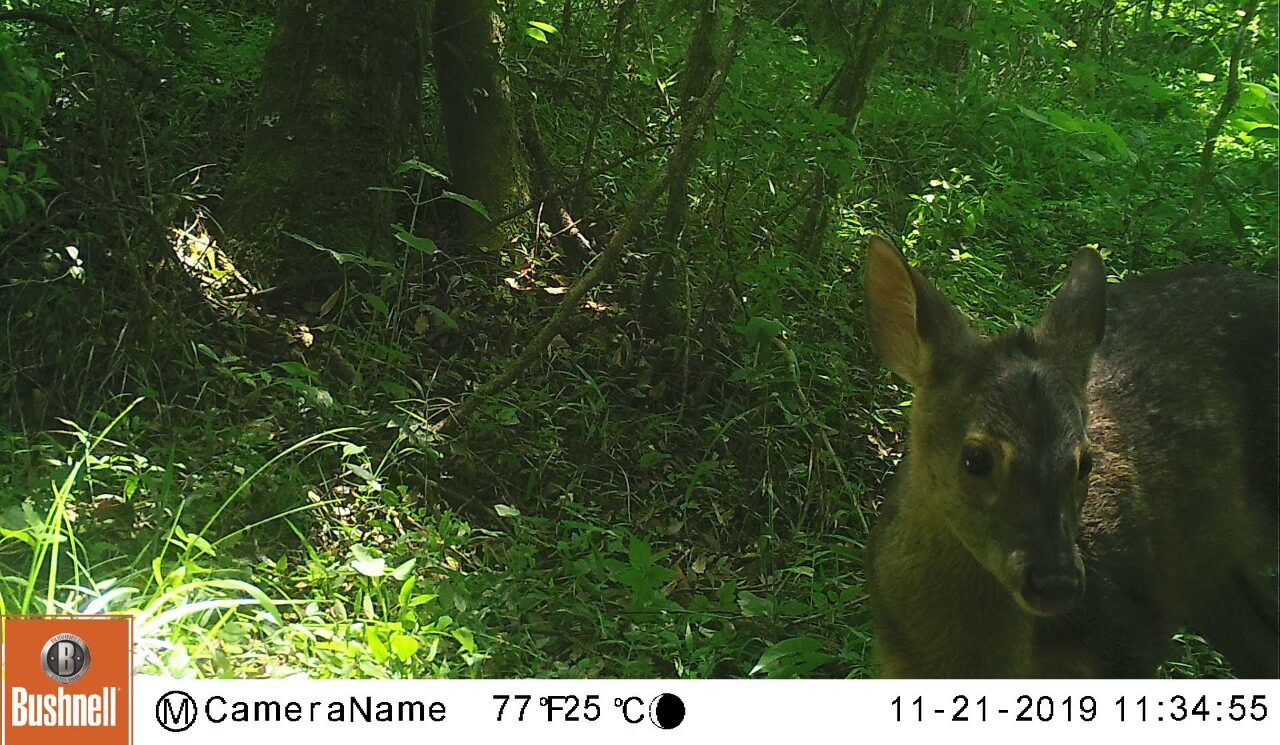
963, 622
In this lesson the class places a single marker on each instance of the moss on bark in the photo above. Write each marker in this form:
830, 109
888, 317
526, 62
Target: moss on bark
486, 160
339, 95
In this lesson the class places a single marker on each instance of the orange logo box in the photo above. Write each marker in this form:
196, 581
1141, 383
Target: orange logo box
68, 680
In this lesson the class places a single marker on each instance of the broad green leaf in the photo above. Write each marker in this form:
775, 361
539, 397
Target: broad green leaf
404, 646
367, 564
754, 605
344, 259
1250, 131
639, 552
361, 472
376, 303
377, 647
791, 658
442, 318
424, 245
1034, 115
404, 570
466, 640
760, 330
472, 203
298, 370
416, 165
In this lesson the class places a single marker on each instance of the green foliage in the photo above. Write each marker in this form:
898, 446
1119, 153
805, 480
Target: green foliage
24, 98
679, 486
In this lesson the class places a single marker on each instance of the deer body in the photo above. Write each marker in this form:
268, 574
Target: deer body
1070, 498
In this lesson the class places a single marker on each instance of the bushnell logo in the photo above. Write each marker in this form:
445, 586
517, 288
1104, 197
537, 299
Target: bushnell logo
66, 680
65, 658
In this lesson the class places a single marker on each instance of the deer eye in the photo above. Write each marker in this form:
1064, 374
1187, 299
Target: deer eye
976, 460
1086, 464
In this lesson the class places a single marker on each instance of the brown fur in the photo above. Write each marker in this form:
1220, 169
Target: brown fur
976, 560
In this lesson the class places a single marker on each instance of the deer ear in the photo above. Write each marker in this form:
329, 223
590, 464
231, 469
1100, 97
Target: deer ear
1073, 328
912, 325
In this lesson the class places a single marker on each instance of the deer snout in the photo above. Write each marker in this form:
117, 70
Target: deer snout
1051, 588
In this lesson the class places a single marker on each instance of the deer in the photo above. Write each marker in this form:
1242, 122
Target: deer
1074, 493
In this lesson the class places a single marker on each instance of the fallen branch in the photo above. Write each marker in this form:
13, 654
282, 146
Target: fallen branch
608, 259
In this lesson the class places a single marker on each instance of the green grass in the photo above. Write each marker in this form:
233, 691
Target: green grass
364, 581
357, 584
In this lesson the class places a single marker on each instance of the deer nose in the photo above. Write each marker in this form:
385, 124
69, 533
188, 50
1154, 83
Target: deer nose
1053, 589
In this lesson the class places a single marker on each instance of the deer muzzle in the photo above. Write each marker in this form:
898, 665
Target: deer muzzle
1053, 587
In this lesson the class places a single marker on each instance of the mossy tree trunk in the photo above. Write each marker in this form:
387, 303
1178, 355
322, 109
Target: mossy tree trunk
339, 96
486, 161
657, 314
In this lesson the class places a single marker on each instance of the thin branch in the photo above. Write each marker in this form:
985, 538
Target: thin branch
1229, 100
611, 70
823, 440
561, 191
608, 259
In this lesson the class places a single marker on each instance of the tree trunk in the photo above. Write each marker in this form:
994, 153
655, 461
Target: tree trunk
952, 53
657, 312
699, 65
486, 161
848, 94
339, 96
